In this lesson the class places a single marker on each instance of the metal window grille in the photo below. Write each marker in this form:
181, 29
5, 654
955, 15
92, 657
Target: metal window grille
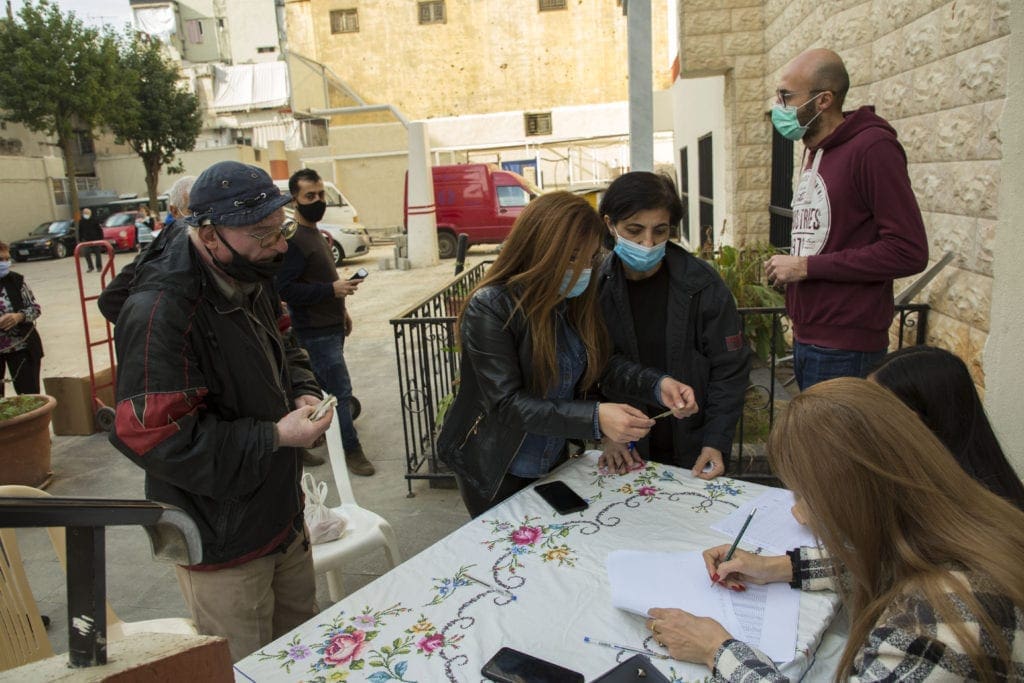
547, 5
684, 190
345, 21
706, 191
432, 12
538, 124
779, 209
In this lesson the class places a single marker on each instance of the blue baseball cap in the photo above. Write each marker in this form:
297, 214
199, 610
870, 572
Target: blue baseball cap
231, 193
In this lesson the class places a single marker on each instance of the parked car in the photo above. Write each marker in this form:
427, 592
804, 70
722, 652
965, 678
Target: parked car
341, 222
52, 239
145, 235
480, 200
121, 229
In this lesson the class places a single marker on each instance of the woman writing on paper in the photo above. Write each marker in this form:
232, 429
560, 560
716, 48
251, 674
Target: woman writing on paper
927, 561
531, 340
668, 309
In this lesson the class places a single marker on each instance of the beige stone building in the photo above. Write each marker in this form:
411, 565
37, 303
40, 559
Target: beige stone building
947, 75
453, 57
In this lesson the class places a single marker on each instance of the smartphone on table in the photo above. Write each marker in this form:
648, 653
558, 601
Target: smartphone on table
359, 274
513, 666
561, 497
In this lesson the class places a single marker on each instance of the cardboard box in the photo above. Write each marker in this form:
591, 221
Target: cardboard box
75, 413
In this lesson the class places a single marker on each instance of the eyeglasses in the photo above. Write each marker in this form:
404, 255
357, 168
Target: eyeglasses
782, 96
271, 237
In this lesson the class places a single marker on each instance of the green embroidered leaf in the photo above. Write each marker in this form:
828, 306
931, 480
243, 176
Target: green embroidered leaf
356, 665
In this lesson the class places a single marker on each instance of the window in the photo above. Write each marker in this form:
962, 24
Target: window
538, 124
706, 192
512, 195
432, 12
684, 190
780, 212
85, 143
345, 21
268, 48
547, 5
194, 31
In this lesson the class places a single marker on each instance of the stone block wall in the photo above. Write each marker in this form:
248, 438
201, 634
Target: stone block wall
935, 69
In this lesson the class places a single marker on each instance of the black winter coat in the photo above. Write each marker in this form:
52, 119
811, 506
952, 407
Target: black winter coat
704, 346
495, 407
197, 399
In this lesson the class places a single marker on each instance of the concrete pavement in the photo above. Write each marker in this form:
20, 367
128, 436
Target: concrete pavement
140, 588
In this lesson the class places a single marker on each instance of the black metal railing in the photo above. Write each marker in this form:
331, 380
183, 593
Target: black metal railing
428, 365
772, 381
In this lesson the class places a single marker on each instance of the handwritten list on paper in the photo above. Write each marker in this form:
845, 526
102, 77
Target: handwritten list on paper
773, 528
763, 616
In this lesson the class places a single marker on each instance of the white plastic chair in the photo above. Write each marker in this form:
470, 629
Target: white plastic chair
116, 629
365, 531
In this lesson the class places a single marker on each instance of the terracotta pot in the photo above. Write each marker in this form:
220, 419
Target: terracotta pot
25, 456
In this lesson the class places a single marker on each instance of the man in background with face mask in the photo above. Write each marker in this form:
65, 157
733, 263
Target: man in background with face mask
216, 406
89, 230
309, 284
856, 223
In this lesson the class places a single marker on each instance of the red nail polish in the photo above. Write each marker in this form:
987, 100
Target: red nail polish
715, 578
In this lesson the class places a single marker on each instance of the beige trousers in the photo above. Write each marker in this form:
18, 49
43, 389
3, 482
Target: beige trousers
256, 602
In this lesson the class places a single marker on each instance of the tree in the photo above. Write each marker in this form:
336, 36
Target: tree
57, 73
158, 117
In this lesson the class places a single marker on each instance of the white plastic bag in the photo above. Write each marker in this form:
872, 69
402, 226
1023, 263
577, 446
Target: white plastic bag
324, 524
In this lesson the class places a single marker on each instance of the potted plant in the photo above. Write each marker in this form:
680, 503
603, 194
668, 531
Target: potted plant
25, 435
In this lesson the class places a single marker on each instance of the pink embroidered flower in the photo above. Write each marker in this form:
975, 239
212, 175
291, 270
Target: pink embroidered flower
647, 490
365, 620
526, 535
428, 644
345, 647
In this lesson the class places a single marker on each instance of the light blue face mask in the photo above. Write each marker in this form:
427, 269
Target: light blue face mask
5, 267
787, 123
638, 257
578, 288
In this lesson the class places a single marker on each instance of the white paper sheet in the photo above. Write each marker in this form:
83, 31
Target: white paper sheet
763, 616
773, 528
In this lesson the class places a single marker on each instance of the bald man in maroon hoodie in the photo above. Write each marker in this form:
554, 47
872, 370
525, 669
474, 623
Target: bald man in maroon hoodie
856, 223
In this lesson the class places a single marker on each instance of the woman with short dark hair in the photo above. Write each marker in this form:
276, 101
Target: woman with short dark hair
669, 310
21, 349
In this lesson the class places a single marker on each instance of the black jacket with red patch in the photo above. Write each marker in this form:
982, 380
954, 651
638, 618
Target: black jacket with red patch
201, 382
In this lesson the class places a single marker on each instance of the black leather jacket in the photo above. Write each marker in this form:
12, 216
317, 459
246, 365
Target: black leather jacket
201, 381
704, 346
495, 407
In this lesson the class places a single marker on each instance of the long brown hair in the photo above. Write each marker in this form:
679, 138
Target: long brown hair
556, 232
896, 511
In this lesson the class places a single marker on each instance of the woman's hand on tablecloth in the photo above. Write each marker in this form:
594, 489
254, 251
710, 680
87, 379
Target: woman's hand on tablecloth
710, 464
688, 638
746, 567
622, 422
619, 458
678, 397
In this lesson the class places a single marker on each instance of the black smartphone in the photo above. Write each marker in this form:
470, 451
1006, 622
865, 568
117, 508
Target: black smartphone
359, 274
513, 666
561, 497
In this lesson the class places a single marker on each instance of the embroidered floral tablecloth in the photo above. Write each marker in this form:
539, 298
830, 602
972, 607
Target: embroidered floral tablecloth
525, 577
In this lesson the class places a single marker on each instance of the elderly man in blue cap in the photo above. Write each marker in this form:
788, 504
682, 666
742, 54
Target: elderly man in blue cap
216, 407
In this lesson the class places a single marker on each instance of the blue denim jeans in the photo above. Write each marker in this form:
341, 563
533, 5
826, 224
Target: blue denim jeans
326, 355
813, 364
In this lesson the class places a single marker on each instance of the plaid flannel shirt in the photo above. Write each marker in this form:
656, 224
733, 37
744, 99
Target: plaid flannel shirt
909, 642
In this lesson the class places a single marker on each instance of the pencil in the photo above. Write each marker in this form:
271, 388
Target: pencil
588, 639
732, 548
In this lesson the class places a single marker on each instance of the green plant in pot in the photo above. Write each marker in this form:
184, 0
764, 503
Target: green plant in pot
25, 435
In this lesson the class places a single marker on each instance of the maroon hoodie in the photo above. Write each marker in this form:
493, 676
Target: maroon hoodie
857, 221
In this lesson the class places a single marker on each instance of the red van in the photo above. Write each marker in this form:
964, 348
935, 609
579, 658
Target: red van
480, 200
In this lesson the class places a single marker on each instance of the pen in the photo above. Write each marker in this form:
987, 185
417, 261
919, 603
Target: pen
732, 548
484, 583
588, 639
661, 415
